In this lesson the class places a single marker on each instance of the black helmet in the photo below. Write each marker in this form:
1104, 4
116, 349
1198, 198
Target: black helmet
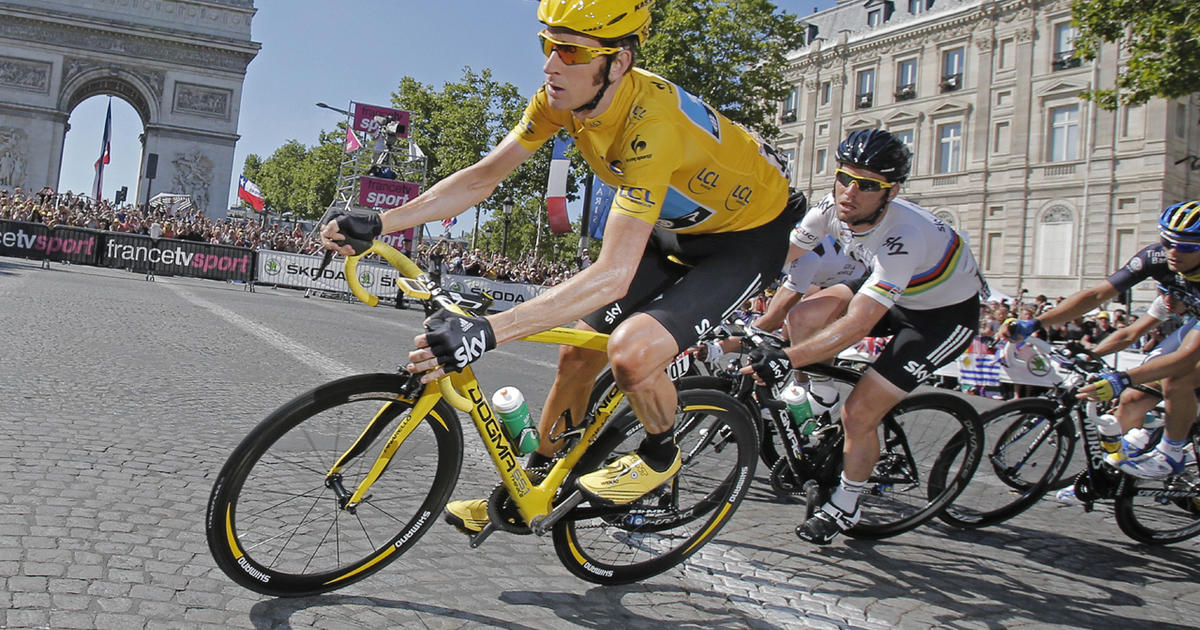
876, 150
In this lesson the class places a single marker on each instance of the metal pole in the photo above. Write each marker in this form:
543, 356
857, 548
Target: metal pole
585, 231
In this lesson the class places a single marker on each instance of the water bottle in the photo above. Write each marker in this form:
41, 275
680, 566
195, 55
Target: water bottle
823, 398
514, 415
799, 407
1109, 429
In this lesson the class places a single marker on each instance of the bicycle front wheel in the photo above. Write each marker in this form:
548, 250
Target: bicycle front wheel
622, 544
897, 497
1026, 450
275, 522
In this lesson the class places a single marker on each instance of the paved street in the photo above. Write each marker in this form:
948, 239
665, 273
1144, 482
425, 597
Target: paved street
121, 398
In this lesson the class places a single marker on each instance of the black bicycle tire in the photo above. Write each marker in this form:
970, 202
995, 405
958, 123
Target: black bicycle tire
718, 505
1129, 510
225, 539
1024, 496
972, 434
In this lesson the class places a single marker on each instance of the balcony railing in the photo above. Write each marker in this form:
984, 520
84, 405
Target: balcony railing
1065, 59
863, 101
906, 92
951, 82
788, 117
1058, 171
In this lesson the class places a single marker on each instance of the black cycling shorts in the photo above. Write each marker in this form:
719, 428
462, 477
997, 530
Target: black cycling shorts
923, 341
719, 273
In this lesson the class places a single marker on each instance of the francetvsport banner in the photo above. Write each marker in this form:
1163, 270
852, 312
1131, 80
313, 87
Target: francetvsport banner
39, 242
170, 257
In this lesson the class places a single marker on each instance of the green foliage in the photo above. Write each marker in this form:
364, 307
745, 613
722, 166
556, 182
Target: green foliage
731, 53
298, 179
1161, 38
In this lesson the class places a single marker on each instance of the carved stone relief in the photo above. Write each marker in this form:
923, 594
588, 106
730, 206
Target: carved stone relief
154, 79
198, 99
13, 156
25, 74
193, 176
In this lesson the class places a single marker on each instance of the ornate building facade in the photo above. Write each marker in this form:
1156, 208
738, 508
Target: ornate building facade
179, 63
1053, 192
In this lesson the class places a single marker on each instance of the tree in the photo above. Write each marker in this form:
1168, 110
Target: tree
459, 124
731, 53
1162, 38
297, 179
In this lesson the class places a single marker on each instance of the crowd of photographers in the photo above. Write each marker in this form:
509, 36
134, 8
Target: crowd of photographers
74, 210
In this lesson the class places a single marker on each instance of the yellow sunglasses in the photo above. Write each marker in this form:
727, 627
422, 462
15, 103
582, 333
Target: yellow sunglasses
572, 54
865, 184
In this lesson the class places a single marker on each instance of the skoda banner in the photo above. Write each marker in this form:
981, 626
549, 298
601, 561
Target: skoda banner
39, 242
505, 294
301, 271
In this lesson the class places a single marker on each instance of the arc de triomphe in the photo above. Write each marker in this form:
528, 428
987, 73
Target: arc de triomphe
179, 63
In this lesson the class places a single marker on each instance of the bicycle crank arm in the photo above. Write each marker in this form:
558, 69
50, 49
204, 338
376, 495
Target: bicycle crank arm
478, 539
542, 525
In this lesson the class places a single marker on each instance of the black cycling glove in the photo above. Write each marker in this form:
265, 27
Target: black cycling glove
359, 229
457, 341
771, 364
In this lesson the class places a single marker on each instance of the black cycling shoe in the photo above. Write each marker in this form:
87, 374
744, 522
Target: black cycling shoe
829, 521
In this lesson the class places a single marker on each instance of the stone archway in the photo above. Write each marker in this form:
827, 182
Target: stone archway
179, 63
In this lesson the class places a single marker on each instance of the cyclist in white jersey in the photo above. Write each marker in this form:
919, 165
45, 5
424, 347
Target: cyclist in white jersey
923, 288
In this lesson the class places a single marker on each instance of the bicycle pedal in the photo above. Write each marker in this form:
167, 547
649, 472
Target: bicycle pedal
478, 539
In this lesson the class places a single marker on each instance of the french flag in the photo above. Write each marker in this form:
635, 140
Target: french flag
556, 188
105, 154
249, 192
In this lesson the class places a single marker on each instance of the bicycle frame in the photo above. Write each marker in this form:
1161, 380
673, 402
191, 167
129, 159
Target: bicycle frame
464, 392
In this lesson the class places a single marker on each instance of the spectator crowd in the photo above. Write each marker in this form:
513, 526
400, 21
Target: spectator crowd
74, 210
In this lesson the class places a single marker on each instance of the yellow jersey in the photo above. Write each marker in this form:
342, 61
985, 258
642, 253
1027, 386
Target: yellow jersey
675, 161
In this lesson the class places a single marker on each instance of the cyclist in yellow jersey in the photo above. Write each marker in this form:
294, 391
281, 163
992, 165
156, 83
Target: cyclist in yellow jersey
689, 184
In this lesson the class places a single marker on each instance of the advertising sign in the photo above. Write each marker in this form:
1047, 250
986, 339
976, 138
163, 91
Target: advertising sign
373, 119
374, 192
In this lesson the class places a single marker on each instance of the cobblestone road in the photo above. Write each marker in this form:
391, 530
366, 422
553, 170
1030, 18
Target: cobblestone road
120, 399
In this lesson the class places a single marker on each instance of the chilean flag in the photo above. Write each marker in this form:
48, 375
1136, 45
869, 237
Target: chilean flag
556, 189
105, 149
250, 193
448, 223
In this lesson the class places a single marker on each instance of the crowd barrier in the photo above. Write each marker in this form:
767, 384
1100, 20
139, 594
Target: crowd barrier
173, 257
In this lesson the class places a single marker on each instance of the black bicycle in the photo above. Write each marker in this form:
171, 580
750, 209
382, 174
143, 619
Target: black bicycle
1034, 442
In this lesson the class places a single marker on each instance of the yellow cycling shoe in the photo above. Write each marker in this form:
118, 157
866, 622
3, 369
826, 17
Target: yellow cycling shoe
627, 479
468, 516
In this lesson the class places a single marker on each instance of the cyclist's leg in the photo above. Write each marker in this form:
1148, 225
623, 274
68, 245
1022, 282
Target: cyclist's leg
577, 369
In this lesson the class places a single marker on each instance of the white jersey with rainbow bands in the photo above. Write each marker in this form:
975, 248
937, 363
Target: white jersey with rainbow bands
916, 261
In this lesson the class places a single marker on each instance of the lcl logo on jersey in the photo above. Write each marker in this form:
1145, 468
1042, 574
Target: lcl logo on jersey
738, 198
639, 196
637, 113
703, 182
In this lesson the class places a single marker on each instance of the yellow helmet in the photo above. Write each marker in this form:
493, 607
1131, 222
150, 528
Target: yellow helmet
602, 19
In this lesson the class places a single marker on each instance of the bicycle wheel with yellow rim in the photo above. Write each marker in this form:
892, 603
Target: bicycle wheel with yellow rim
627, 543
276, 521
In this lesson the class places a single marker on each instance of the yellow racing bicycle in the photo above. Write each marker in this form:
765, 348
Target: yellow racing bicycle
343, 479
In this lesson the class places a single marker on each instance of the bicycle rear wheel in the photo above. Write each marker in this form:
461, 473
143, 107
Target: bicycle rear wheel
1026, 450
622, 544
1161, 512
275, 525
922, 426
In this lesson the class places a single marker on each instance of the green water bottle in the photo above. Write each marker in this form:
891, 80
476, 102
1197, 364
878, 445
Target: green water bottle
514, 415
799, 406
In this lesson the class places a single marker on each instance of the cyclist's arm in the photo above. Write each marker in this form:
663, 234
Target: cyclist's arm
1124, 337
601, 283
861, 316
782, 302
1179, 362
1079, 303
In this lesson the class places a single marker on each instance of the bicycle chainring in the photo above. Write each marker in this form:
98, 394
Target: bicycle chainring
503, 512
787, 482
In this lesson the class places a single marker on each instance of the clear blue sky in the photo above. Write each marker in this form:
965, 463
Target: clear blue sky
316, 50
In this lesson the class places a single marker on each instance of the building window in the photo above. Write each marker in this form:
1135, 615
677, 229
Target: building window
1055, 242
820, 161
907, 137
1064, 133
949, 150
1064, 47
1004, 56
789, 106
1001, 140
992, 251
823, 129
916, 7
875, 17
826, 89
906, 79
1004, 98
1133, 121
952, 69
1127, 204
1180, 120
865, 89
1124, 247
